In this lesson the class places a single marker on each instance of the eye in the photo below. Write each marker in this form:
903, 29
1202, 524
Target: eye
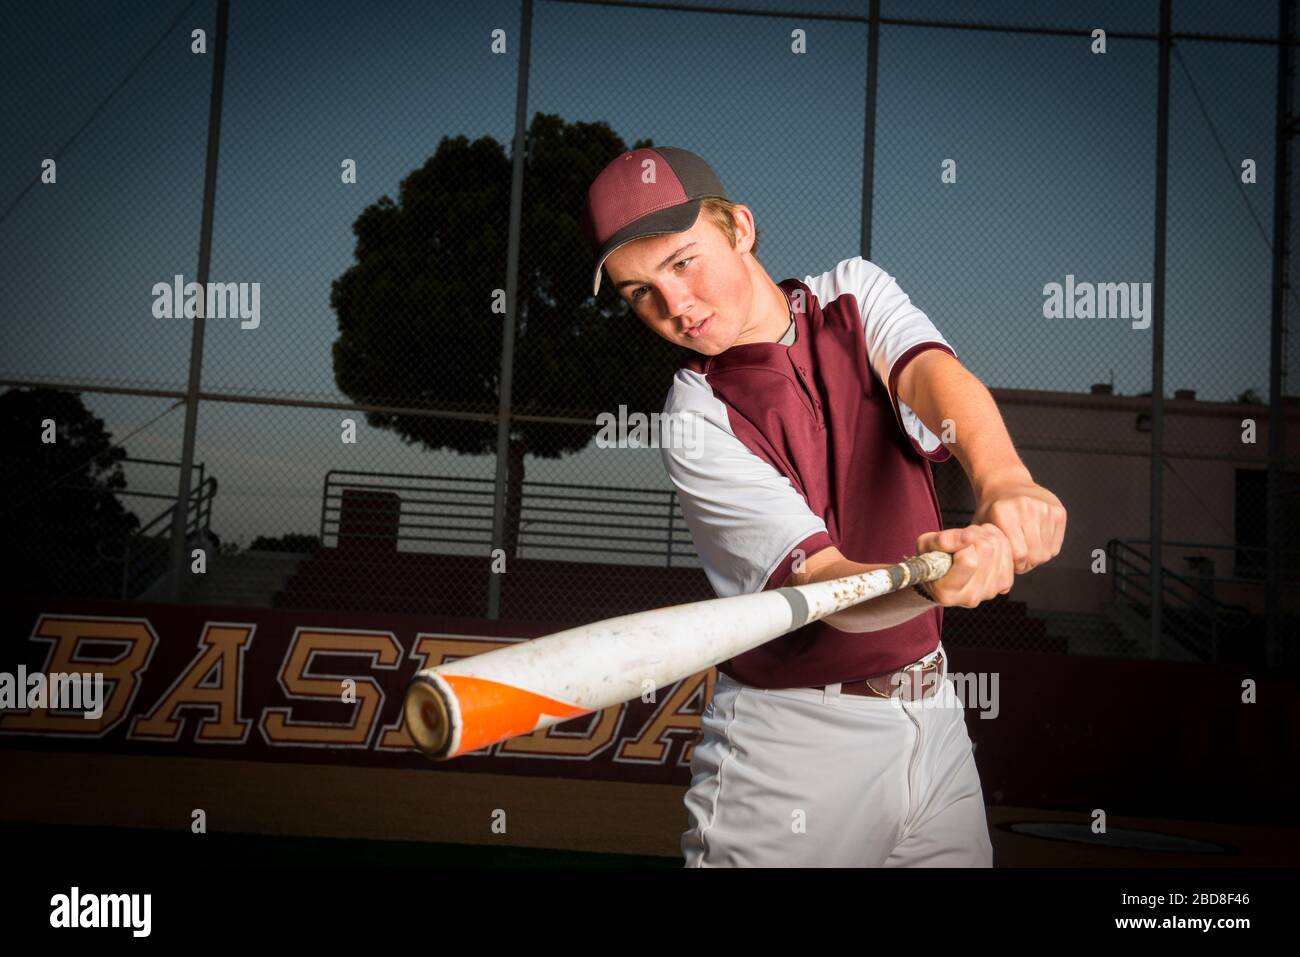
636, 293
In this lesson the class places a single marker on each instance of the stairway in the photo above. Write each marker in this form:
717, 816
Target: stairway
245, 580
1137, 626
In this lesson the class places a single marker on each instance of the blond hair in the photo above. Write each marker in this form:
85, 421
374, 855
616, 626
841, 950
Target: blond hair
720, 212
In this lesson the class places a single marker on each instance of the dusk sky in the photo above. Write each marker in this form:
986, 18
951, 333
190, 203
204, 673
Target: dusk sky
1054, 146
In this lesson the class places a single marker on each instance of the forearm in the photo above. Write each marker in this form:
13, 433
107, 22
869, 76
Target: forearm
956, 406
883, 612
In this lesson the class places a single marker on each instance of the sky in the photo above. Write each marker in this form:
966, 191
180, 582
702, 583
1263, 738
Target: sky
1054, 149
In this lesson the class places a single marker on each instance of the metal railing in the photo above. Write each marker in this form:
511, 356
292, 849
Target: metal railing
1193, 616
381, 508
143, 554
1249, 562
394, 507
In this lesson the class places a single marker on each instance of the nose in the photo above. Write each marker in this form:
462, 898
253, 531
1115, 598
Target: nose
679, 302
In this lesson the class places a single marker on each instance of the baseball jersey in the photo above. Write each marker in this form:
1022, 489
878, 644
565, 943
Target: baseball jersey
802, 446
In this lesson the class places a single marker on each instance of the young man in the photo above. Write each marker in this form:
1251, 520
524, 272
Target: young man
818, 405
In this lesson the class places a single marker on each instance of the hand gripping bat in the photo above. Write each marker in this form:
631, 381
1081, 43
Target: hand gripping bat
468, 704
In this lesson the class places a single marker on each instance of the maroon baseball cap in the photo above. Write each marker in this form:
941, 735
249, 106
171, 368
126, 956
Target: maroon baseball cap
646, 192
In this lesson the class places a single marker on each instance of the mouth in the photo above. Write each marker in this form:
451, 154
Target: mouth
699, 328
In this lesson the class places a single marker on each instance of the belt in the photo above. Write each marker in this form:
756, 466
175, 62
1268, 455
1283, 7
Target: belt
910, 682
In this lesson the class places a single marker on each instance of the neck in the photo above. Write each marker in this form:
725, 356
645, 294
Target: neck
772, 313
781, 313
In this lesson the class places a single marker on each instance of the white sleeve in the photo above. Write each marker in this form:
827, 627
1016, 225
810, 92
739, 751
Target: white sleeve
895, 330
745, 517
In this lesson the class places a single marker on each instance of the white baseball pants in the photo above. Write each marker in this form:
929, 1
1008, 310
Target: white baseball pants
802, 778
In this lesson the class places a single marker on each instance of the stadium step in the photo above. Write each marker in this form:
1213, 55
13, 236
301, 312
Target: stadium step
245, 580
1086, 634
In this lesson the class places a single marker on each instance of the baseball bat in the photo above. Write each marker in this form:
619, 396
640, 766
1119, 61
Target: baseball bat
468, 704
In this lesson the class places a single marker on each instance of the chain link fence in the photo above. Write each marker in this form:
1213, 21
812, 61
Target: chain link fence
350, 374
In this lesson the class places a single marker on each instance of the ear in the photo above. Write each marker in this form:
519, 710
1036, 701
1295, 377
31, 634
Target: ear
745, 230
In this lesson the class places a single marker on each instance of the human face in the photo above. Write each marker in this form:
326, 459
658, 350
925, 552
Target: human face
691, 288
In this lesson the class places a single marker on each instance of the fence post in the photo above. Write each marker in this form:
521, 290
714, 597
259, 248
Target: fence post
1276, 413
672, 520
181, 515
512, 303
869, 132
324, 507
1158, 334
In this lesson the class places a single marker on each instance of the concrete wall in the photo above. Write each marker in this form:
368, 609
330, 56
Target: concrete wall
1088, 450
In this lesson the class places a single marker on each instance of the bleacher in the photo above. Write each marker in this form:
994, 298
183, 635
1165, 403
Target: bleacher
367, 569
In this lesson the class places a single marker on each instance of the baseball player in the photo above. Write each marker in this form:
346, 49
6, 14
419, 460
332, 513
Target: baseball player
818, 405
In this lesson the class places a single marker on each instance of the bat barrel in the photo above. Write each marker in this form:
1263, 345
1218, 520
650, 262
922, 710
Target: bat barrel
471, 703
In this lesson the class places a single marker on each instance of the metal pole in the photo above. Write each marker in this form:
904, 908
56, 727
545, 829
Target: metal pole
1276, 416
196, 339
1158, 334
512, 300
672, 520
869, 132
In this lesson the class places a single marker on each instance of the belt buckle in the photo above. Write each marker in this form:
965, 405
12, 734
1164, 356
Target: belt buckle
915, 669
928, 689
917, 666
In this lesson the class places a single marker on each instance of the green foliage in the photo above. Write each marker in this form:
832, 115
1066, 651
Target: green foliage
63, 523
415, 312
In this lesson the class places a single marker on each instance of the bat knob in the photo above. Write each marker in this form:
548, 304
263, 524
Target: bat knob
427, 721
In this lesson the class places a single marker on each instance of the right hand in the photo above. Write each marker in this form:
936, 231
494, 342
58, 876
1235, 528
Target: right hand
981, 564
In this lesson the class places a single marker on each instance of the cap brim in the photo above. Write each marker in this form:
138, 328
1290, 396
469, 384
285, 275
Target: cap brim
674, 219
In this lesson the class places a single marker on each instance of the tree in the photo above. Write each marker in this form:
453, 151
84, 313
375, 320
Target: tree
417, 328
63, 521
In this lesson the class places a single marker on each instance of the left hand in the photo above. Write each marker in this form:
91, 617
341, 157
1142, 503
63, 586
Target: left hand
1032, 518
